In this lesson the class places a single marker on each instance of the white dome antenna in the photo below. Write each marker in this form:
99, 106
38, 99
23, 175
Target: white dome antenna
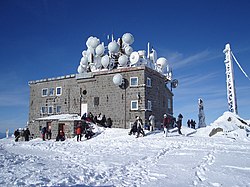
134, 58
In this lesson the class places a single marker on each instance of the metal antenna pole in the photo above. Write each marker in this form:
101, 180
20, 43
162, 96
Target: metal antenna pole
231, 93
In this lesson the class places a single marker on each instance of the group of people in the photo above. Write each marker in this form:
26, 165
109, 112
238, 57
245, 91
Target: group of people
170, 122
137, 127
22, 133
99, 119
191, 123
167, 123
83, 127
46, 132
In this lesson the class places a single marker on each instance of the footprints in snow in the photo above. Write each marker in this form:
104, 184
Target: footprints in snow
200, 174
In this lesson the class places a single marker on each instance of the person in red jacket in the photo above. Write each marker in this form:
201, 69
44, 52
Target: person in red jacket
79, 131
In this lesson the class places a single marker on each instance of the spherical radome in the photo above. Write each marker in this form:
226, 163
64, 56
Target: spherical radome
113, 47
94, 42
128, 38
117, 79
128, 50
162, 62
123, 60
99, 50
84, 60
80, 69
84, 53
105, 61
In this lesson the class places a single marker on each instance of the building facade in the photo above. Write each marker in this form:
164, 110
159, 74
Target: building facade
142, 93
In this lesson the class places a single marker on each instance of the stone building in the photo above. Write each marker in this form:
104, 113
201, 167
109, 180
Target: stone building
59, 103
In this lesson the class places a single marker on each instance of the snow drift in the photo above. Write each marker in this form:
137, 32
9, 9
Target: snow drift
113, 158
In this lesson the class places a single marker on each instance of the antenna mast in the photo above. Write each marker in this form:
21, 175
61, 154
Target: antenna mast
231, 93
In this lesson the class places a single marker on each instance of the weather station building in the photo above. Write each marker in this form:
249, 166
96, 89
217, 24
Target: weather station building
112, 80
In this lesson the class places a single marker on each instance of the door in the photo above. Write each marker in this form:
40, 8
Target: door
84, 108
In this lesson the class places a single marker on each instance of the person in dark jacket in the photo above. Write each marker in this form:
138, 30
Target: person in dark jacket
26, 134
60, 136
133, 129
140, 127
179, 123
44, 130
17, 135
109, 123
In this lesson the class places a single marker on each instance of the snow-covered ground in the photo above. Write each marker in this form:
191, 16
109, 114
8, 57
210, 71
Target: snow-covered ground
113, 158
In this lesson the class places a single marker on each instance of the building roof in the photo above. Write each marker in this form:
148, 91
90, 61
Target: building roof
60, 117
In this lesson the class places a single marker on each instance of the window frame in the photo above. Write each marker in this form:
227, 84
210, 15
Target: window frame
131, 105
59, 87
149, 105
45, 89
149, 80
49, 109
58, 106
44, 111
137, 82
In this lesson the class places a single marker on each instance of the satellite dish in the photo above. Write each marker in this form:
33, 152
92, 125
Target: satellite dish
113, 47
89, 41
128, 50
84, 60
142, 53
94, 42
162, 62
153, 56
123, 60
99, 50
134, 58
80, 69
84, 53
117, 79
128, 38
174, 83
97, 61
105, 61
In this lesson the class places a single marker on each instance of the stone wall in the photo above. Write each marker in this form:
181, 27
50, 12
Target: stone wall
97, 91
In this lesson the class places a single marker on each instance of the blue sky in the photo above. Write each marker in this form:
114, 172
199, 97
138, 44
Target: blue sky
42, 39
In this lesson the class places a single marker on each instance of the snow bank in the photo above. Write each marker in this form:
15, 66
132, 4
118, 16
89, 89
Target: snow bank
228, 125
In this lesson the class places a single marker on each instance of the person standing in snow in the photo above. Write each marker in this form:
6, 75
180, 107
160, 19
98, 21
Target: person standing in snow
79, 131
17, 135
166, 124
139, 127
179, 123
44, 130
133, 129
152, 122
26, 134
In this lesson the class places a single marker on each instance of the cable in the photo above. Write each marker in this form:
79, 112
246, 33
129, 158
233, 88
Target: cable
240, 66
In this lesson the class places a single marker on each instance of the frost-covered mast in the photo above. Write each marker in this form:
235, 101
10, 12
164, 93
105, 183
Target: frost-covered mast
231, 93
201, 114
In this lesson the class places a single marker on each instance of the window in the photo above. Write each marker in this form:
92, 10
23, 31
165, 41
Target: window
133, 81
149, 83
96, 101
51, 91
58, 90
43, 110
50, 109
169, 103
134, 105
44, 92
58, 109
149, 105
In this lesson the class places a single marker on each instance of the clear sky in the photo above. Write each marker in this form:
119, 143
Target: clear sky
42, 39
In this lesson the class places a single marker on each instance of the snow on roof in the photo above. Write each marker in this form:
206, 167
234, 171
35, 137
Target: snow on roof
61, 117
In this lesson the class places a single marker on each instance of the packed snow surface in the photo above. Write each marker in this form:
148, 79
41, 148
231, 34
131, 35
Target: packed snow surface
113, 158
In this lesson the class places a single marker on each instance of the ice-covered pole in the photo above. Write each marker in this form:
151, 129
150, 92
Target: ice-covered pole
201, 114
